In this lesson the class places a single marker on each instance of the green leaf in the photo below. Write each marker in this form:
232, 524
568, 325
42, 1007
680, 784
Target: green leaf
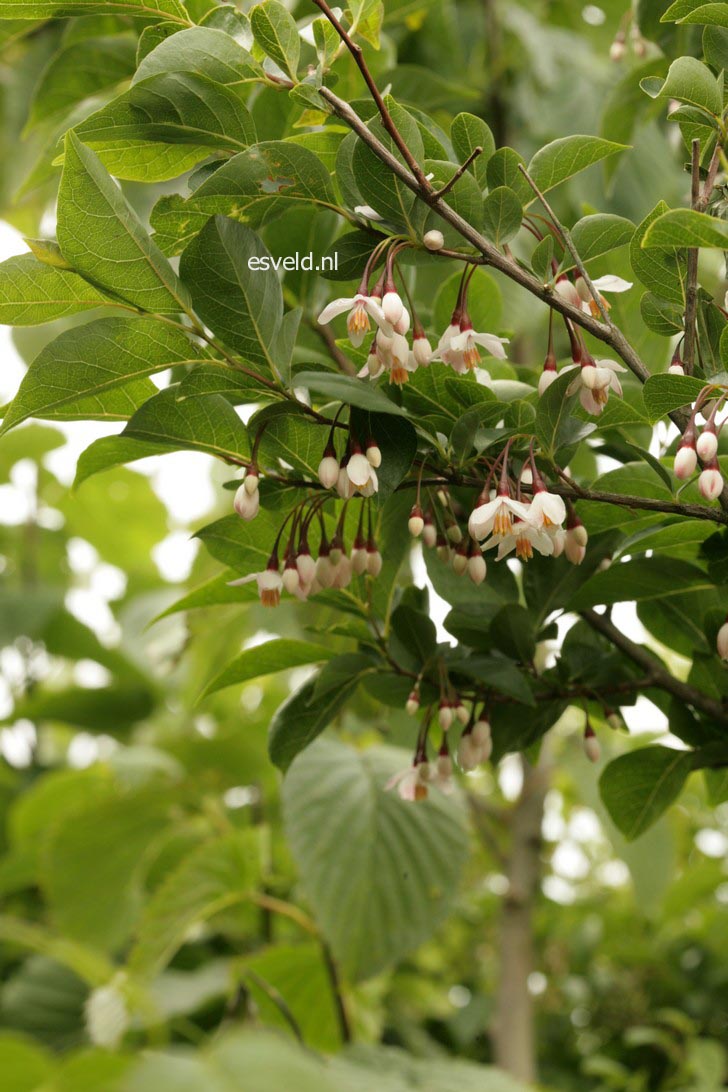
690, 81
276, 33
298, 974
94, 863
601, 233
497, 672
552, 424
32, 292
350, 391
266, 659
659, 271
639, 579
300, 720
25, 1066
170, 10
687, 228
102, 237
661, 316
243, 305
664, 393
503, 169
416, 631
207, 423
262, 183
693, 11
175, 108
113, 708
397, 441
80, 70
213, 877
502, 215
379, 188
379, 873
468, 132
202, 51
637, 788
86, 361
542, 257
245, 547
563, 158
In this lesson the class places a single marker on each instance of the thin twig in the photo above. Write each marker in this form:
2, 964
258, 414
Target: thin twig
387, 119
459, 172
663, 679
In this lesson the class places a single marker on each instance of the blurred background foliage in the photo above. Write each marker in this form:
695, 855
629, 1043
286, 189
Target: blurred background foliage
130, 808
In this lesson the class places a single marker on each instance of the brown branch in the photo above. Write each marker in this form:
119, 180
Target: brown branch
387, 119
662, 677
459, 172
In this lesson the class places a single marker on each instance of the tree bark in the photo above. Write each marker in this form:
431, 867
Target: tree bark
513, 1032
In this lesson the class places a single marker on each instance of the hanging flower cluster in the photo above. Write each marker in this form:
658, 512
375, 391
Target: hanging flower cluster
702, 444
295, 570
473, 749
382, 309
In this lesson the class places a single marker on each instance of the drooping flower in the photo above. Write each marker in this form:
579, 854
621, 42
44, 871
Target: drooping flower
361, 308
608, 283
546, 510
524, 537
496, 516
467, 340
269, 583
246, 504
592, 750
593, 381
575, 540
686, 456
411, 782
328, 468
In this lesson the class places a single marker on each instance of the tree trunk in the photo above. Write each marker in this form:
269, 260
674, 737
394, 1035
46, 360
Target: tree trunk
513, 1033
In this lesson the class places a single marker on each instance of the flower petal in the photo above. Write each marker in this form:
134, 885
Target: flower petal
336, 307
493, 344
610, 283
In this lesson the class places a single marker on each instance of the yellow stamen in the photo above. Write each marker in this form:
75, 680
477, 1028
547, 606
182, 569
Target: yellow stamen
270, 597
503, 521
398, 375
524, 549
358, 321
594, 306
471, 356
420, 792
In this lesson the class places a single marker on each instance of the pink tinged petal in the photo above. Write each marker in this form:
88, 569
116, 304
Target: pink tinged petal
336, 307
373, 309
589, 402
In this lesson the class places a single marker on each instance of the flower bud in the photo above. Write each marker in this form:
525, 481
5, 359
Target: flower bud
421, 350
617, 49
291, 579
416, 523
546, 378
707, 445
592, 750
434, 239
359, 559
461, 711
343, 573
402, 325
413, 702
324, 570
477, 568
568, 292
374, 454
106, 1015
246, 504
559, 540
392, 306
686, 461
358, 470
459, 562
429, 534
615, 722
481, 731
374, 561
344, 486
455, 534
444, 767
721, 643
575, 544
468, 753
710, 482
306, 566
250, 481
328, 471
444, 714
676, 368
